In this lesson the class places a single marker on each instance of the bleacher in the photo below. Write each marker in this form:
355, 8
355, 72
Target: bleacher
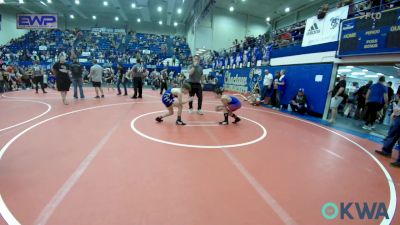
112, 47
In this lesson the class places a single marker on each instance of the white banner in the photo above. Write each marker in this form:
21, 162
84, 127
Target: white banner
86, 54
320, 31
37, 21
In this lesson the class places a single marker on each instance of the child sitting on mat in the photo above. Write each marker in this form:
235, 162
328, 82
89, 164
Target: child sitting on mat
229, 105
254, 98
169, 102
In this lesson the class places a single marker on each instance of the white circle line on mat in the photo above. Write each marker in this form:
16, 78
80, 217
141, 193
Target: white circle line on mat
11, 220
31, 119
263, 135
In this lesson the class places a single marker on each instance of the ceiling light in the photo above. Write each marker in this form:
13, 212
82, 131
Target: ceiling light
287, 9
1, 1
371, 76
138, 20
94, 17
77, 2
175, 24
21, 1
71, 16
133, 5
391, 77
350, 67
344, 70
357, 73
380, 74
49, 1
159, 8
243, 0
231, 9
41, 2
160, 22
116, 18
268, 19
105, 3
179, 11
365, 70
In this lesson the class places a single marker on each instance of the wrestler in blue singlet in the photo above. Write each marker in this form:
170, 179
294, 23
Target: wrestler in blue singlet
167, 98
234, 104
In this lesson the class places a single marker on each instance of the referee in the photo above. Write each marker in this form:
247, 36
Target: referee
195, 78
138, 74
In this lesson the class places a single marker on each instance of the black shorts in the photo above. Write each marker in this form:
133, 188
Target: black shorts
96, 84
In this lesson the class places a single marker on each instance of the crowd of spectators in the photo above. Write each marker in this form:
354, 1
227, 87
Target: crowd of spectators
107, 47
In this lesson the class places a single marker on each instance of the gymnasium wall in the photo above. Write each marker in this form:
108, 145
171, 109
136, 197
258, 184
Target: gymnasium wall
314, 78
220, 28
301, 14
8, 27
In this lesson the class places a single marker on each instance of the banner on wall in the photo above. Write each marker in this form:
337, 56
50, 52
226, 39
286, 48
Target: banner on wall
107, 30
320, 31
243, 80
37, 21
235, 82
42, 48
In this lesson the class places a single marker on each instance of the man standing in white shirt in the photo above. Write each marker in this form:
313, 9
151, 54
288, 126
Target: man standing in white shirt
267, 87
96, 74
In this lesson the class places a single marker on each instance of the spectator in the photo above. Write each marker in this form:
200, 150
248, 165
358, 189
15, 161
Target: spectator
77, 80
390, 98
254, 98
267, 87
351, 99
96, 74
109, 78
121, 79
323, 11
337, 97
377, 97
282, 84
163, 81
398, 93
299, 102
61, 70
181, 79
392, 137
361, 94
2, 80
390, 91
275, 98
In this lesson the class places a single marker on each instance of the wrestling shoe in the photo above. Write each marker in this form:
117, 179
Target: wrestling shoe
180, 122
237, 119
224, 123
